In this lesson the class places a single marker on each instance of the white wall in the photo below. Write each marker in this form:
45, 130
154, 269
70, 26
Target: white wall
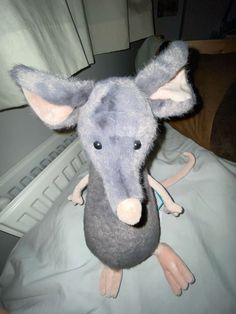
168, 26
20, 132
201, 18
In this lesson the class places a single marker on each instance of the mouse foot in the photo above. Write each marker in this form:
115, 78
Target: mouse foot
175, 270
110, 281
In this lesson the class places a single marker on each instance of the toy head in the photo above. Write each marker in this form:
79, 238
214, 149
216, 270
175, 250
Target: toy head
116, 118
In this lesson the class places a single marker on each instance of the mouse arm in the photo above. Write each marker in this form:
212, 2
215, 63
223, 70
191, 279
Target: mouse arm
170, 205
76, 196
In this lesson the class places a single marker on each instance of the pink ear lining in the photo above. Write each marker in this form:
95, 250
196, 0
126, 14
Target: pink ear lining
177, 89
49, 113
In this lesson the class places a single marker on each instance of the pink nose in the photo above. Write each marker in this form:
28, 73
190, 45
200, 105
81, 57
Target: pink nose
129, 211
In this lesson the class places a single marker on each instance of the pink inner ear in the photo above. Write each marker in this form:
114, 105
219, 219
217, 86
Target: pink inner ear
50, 113
177, 89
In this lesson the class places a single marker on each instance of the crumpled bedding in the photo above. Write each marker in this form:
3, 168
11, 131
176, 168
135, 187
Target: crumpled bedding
52, 271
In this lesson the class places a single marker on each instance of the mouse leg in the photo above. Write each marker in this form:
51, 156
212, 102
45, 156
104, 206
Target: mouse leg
176, 272
110, 281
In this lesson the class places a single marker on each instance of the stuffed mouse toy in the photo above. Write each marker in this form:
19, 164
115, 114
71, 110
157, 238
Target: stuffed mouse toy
117, 121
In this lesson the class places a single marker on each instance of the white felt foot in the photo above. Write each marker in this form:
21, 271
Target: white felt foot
176, 272
110, 281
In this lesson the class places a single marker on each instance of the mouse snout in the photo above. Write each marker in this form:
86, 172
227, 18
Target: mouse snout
129, 211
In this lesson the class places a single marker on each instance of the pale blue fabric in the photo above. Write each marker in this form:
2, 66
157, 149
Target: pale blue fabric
52, 271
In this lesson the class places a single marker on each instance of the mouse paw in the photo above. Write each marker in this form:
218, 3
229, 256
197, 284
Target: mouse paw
175, 270
110, 281
76, 199
173, 208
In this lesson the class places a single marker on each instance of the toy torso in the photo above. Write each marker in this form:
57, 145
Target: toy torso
115, 243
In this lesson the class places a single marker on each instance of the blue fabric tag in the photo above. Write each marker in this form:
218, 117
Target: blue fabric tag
159, 199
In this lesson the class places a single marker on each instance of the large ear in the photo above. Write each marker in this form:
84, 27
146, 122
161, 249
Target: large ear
165, 83
54, 100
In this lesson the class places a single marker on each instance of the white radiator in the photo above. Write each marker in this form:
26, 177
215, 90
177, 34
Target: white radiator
40, 181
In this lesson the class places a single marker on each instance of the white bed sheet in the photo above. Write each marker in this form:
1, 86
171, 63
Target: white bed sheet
52, 271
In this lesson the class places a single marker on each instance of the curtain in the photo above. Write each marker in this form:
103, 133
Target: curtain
61, 36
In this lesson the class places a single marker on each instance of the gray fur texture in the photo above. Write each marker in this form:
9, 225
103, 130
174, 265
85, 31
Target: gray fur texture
115, 243
116, 113
163, 68
55, 90
51, 88
119, 115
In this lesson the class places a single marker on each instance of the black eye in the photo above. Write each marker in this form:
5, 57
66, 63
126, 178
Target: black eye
97, 145
137, 144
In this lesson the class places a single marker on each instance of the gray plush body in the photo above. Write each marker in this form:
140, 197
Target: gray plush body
117, 122
115, 243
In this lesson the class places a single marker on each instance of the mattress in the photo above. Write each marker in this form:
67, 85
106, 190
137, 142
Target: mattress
52, 271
